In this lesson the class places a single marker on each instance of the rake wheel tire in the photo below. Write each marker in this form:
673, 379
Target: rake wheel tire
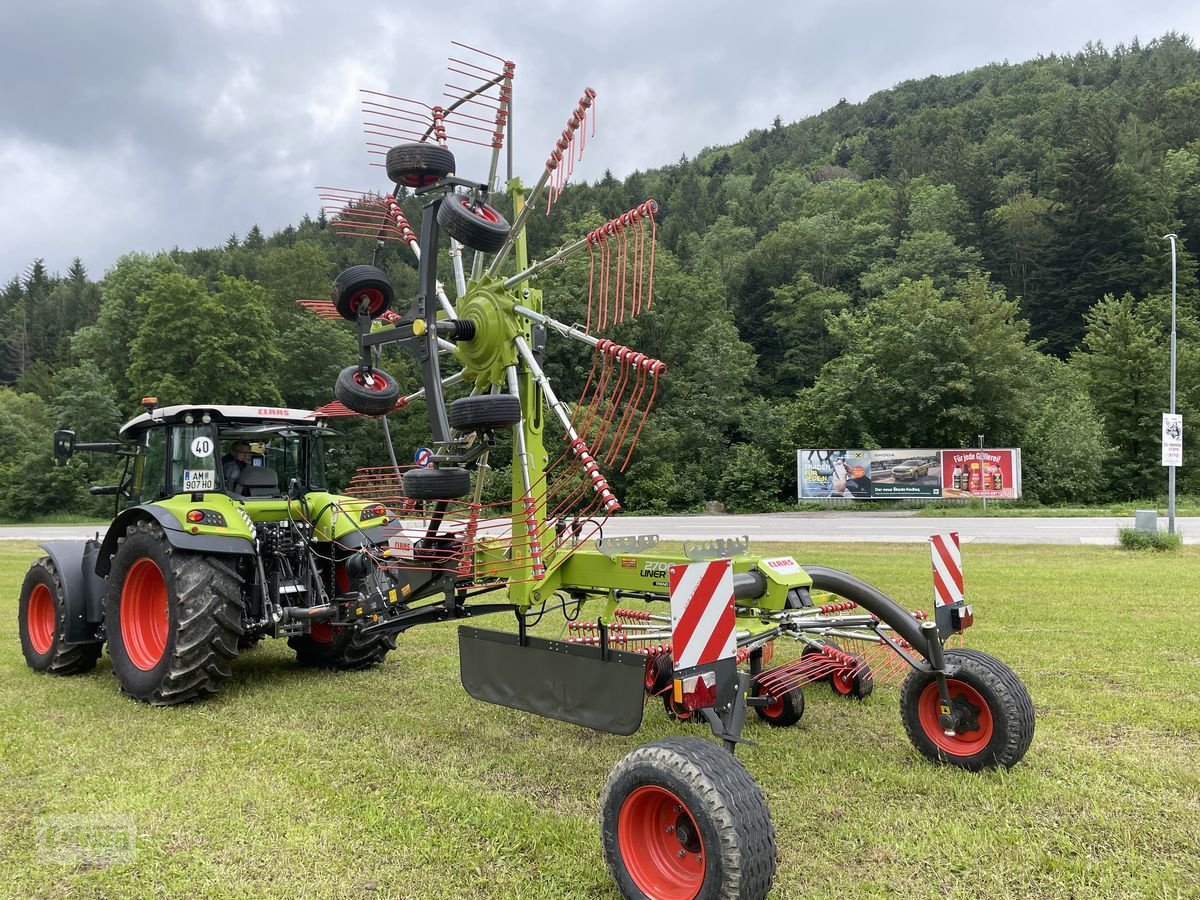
418, 165
680, 713
42, 624
173, 619
486, 412
341, 648
362, 283
810, 650
477, 226
787, 708
857, 685
437, 484
377, 398
997, 706
686, 795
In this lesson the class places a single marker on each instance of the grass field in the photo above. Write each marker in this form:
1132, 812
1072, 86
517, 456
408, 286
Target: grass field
394, 783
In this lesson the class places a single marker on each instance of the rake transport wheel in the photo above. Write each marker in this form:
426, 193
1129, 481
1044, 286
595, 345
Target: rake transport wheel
856, 682
474, 225
359, 284
372, 393
339, 647
437, 484
418, 165
173, 619
993, 713
42, 624
682, 818
486, 412
786, 708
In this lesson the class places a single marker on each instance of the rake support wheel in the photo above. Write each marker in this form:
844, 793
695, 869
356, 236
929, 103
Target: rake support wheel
437, 484
42, 624
787, 707
173, 619
993, 713
372, 393
486, 412
362, 284
418, 165
472, 224
682, 818
857, 683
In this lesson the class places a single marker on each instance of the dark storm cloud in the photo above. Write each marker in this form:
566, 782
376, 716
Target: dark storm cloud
145, 125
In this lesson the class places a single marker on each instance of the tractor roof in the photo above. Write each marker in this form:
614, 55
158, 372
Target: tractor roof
246, 416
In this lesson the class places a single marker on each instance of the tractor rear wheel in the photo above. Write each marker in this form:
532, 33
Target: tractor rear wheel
339, 647
42, 624
993, 714
682, 818
371, 393
473, 224
418, 165
173, 619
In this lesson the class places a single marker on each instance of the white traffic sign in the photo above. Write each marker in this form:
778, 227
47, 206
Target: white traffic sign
1172, 440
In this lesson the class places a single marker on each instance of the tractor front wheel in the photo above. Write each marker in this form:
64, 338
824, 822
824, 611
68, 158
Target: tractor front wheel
682, 818
173, 619
993, 715
42, 624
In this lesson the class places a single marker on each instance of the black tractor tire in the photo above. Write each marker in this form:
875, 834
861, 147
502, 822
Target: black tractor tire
340, 647
486, 412
437, 484
362, 283
42, 624
681, 817
477, 226
173, 618
374, 398
787, 707
418, 165
999, 713
857, 683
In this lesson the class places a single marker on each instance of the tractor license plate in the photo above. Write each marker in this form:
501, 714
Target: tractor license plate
198, 480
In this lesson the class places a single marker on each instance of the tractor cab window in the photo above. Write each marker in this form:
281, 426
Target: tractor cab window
150, 467
288, 453
193, 459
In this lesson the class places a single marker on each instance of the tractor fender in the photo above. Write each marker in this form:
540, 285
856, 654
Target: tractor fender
83, 589
176, 536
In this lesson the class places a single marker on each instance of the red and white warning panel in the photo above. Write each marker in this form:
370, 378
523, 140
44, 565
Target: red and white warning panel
951, 612
702, 614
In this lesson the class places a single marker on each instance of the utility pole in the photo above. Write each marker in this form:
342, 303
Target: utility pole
982, 480
1171, 469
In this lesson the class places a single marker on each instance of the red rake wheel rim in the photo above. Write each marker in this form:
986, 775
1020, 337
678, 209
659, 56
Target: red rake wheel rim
774, 709
375, 300
379, 382
481, 212
958, 744
843, 682
653, 828
41, 619
145, 619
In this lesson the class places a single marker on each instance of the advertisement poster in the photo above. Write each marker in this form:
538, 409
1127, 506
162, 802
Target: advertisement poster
822, 474
897, 474
981, 473
923, 474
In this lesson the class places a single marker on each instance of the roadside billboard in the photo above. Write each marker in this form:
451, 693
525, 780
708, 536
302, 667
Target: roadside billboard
899, 474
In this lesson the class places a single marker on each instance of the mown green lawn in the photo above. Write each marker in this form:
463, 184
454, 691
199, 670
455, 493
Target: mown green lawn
394, 783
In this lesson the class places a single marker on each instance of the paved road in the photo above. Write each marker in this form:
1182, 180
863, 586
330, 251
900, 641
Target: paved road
824, 527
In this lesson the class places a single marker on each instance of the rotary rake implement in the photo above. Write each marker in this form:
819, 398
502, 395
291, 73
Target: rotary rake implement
714, 630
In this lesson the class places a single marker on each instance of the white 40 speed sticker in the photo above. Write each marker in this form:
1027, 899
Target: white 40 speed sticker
199, 480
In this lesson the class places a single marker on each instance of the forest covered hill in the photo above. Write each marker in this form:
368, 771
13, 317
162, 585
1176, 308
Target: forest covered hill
978, 253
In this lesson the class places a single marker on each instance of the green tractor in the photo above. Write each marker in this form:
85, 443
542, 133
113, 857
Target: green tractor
203, 558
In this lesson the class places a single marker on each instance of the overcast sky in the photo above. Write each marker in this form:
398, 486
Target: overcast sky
139, 125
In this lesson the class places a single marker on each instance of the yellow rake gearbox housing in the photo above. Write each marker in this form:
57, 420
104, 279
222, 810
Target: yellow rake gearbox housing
490, 306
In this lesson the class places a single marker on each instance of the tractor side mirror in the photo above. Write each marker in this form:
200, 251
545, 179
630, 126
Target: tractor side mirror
64, 445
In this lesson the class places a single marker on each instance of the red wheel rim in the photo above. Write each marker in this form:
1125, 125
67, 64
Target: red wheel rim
321, 632
653, 827
40, 618
419, 180
376, 302
773, 710
379, 381
481, 211
960, 743
145, 620
843, 681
